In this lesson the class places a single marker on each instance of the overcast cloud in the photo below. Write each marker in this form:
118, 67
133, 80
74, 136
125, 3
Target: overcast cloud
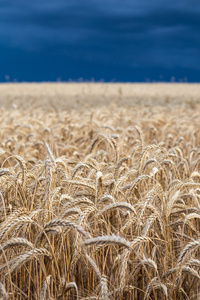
100, 34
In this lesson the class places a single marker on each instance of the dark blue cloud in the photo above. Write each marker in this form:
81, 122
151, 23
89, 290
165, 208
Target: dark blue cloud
89, 39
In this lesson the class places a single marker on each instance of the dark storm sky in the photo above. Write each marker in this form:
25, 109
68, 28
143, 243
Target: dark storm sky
113, 40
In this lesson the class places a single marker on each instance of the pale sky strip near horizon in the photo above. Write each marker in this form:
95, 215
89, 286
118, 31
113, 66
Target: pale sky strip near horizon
107, 40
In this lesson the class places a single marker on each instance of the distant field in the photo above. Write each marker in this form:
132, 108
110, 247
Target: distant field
84, 95
99, 191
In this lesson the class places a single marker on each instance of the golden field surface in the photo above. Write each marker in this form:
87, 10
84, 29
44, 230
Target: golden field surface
99, 191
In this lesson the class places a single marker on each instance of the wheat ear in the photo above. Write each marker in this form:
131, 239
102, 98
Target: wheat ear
44, 288
14, 223
124, 205
18, 261
93, 265
187, 250
155, 284
104, 288
24, 169
108, 239
4, 293
67, 287
123, 269
50, 154
60, 222
16, 242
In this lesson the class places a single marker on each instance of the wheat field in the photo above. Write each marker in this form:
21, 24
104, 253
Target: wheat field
99, 191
